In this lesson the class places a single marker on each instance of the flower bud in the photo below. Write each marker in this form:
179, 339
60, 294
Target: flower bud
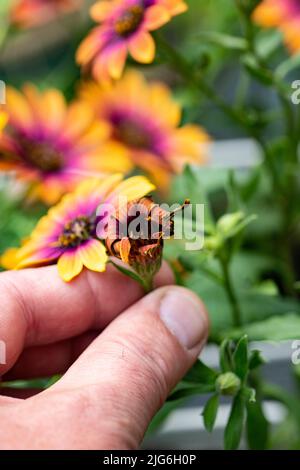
228, 383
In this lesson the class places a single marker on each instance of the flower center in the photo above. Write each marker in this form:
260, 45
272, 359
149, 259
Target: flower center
41, 155
133, 134
129, 22
77, 231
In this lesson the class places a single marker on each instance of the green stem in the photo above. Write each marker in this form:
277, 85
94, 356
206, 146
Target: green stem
232, 297
183, 67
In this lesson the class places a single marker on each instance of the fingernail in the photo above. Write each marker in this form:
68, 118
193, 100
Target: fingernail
182, 314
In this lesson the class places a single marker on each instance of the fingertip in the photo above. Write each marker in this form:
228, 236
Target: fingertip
183, 313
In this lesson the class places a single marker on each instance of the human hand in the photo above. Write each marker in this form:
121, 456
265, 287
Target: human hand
120, 353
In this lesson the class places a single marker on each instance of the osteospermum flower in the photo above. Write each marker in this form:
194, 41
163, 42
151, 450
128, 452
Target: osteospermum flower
137, 236
282, 14
144, 125
29, 13
67, 235
125, 26
50, 144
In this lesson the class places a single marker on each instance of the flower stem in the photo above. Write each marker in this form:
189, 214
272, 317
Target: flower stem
231, 294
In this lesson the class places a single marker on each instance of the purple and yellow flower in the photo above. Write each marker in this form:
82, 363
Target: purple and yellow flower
284, 15
125, 28
51, 145
144, 122
67, 235
30, 13
141, 251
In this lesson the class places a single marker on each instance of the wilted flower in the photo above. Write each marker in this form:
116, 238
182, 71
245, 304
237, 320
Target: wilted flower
125, 26
67, 235
50, 144
136, 236
29, 13
144, 122
282, 14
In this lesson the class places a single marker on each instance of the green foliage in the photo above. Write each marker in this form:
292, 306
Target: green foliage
257, 426
276, 328
234, 428
210, 412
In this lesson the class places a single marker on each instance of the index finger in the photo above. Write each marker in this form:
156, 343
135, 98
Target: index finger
38, 308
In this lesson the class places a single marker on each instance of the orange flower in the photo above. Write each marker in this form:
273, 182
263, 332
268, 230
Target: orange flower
125, 26
29, 13
144, 122
50, 144
282, 14
137, 234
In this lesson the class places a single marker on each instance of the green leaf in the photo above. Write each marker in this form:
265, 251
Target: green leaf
228, 222
249, 394
226, 362
224, 40
259, 73
240, 358
255, 307
210, 412
190, 390
201, 374
277, 328
268, 42
287, 66
257, 427
255, 360
234, 427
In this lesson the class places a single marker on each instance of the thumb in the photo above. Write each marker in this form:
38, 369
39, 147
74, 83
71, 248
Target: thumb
129, 370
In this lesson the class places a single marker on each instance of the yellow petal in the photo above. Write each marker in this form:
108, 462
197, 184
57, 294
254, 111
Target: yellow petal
78, 120
125, 249
291, 35
48, 106
93, 255
88, 48
268, 14
132, 188
111, 157
162, 102
116, 62
142, 47
175, 7
8, 259
69, 265
101, 10
156, 16
18, 109
3, 120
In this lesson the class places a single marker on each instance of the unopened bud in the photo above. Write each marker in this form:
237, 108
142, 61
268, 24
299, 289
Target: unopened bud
228, 383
